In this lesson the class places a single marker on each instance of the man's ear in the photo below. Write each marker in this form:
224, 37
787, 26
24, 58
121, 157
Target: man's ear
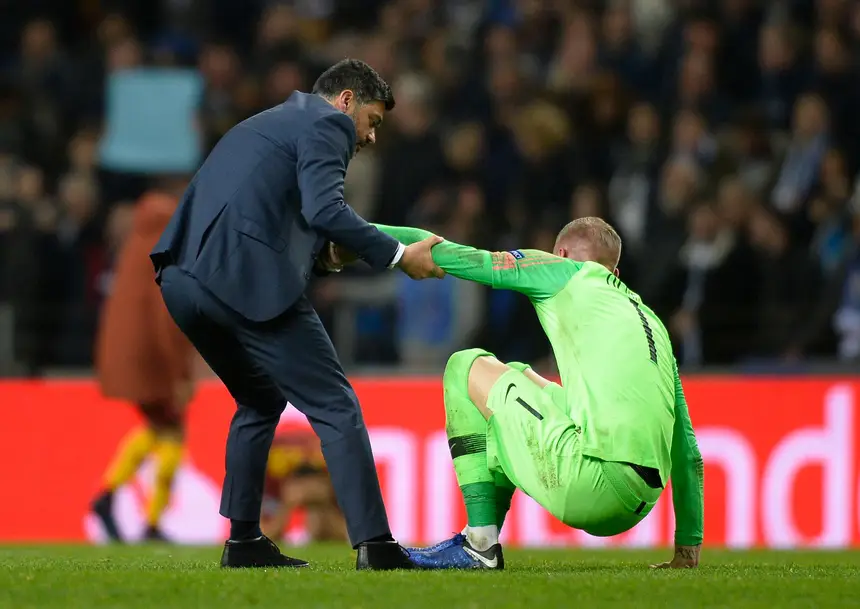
561, 252
616, 272
345, 100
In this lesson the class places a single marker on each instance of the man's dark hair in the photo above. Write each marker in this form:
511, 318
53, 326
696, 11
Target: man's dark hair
358, 77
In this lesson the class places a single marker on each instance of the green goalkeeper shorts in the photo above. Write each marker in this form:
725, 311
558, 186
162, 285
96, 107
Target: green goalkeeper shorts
534, 442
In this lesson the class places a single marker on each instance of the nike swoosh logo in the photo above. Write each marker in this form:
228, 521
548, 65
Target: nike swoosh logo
491, 564
511, 386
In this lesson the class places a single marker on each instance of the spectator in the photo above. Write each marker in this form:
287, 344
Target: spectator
587, 201
828, 212
691, 139
284, 77
854, 28
219, 66
681, 183
739, 74
715, 290
750, 152
783, 77
464, 147
621, 52
829, 328
799, 170
124, 54
830, 13
675, 121
575, 63
734, 205
21, 192
73, 268
651, 18
603, 128
41, 76
82, 151
697, 88
632, 186
835, 79
542, 133
412, 157
846, 319
278, 34
790, 281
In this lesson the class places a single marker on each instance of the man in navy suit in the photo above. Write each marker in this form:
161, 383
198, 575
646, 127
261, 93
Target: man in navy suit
233, 264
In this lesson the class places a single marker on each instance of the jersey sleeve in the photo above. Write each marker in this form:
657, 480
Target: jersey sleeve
687, 475
536, 274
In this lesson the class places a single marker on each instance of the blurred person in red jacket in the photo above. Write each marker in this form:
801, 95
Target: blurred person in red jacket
143, 358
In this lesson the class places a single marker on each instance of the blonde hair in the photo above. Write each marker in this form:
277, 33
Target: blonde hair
600, 238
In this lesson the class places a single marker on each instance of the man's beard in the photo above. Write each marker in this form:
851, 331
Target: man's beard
354, 116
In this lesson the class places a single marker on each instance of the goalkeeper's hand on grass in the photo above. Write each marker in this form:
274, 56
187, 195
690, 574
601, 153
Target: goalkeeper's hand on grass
686, 557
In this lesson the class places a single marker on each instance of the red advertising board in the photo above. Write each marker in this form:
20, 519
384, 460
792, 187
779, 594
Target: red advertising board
781, 465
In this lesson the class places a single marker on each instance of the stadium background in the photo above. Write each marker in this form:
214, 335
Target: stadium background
721, 138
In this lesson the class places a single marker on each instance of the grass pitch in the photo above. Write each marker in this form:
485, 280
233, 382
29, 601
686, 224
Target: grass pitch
155, 577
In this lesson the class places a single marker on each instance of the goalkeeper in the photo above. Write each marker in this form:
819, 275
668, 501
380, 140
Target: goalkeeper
597, 451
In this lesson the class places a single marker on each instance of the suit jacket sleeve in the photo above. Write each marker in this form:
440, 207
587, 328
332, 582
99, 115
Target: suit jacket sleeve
323, 151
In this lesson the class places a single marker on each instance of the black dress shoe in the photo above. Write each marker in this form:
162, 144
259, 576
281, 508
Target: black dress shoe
256, 553
382, 556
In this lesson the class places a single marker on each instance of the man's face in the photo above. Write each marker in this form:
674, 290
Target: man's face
809, 116
643, 126
687, 132
367, 117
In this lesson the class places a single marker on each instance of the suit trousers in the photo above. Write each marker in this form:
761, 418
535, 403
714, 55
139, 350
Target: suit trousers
264, 365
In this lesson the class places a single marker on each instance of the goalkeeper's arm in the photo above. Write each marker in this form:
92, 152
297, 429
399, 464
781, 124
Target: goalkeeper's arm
687, 475
536, 274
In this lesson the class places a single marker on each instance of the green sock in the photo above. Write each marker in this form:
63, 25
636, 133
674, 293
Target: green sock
480, 499
504, 493
467, 440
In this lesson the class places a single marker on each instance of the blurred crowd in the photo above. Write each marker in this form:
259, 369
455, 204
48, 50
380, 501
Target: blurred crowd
721, 138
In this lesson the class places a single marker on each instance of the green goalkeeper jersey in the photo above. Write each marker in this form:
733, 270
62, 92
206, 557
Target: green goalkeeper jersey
614, 357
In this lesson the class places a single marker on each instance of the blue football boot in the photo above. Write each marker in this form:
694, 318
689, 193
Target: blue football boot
457, 540
462, 556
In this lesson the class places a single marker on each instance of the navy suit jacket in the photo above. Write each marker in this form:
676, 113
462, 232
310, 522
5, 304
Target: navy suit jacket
254, 218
